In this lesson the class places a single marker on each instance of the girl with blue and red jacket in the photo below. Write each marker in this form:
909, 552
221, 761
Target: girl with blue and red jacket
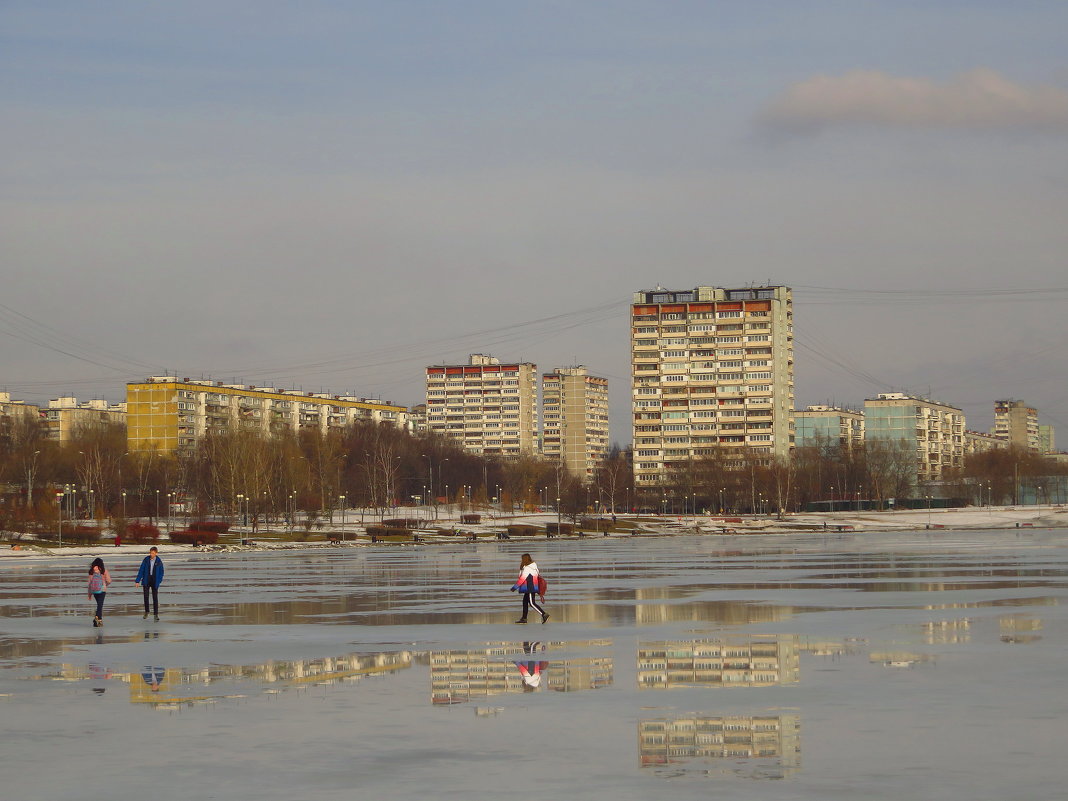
527, 585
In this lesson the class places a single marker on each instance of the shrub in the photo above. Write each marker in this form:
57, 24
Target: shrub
402, 522
522, 531
559, 528
595, 524
388, 531
141, 533
470, 518
193, 537
218, 526
83, 535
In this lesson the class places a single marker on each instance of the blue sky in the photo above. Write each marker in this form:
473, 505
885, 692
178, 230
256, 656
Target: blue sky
333, 195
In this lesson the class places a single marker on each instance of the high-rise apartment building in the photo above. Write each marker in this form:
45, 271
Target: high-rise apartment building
1047, 441
1016, 423
171, 415
712, 371
930, 432
487, 407
828, 425
574, 415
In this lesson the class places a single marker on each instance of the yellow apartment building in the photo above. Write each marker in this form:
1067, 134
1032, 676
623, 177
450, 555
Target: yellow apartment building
574, 419
171, 415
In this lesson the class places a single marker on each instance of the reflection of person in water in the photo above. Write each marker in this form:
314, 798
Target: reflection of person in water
153, 677
531, 670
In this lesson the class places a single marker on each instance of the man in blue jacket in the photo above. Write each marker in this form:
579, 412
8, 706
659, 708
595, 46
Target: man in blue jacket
150, 576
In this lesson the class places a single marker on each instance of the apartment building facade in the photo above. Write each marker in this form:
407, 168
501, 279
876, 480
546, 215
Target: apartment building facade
14, 413
820, 426
979, 442
64, 416
1017, 423
932, 432
171, 415
574, 418
712, 371
488, 407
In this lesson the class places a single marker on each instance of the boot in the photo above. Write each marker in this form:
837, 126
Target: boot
522, 619
544, 616
96, 621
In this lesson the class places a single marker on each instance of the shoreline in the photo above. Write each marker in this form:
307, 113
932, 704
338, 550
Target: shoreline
492, 528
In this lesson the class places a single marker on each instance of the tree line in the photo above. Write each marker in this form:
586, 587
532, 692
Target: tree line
311, 475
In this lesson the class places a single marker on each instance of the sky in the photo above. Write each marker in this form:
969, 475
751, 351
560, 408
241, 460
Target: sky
333, 195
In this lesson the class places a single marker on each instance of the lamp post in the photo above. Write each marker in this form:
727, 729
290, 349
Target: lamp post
124, 506
430, 469
157, 508
59, 504
559, 518
343, 518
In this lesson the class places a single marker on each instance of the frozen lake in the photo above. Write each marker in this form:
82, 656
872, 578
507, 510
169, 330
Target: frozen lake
885, 666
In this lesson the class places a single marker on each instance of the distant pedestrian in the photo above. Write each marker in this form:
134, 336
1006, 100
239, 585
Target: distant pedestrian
527, 585
99, 579
150, 576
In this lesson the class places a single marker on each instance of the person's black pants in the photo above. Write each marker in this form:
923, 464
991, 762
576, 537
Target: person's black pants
150, 586
99, 604
529, 601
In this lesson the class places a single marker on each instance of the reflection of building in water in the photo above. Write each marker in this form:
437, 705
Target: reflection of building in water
163, 686
898, 658
464, 675
767, 745
944, 632
1020, 629
730, 662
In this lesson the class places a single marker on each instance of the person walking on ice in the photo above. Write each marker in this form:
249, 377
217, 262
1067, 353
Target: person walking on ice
529, 584
99, 579
150, 576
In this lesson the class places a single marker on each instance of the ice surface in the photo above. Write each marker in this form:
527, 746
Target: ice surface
897, 665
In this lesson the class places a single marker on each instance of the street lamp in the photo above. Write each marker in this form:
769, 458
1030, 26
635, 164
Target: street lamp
124, 506
342, 518
59, 504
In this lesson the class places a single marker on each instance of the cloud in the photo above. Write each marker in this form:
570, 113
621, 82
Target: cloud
980, 99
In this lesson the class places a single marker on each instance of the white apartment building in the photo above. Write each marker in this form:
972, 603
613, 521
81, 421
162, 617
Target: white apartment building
574, 415
712, 371
171, 415
828, 425
487, 407
932, 431
66, 415
976, 442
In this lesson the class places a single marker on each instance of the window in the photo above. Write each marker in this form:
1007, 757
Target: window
676, 378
